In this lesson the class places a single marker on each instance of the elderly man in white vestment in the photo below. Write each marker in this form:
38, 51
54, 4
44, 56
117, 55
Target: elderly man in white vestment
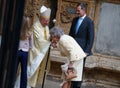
38, 55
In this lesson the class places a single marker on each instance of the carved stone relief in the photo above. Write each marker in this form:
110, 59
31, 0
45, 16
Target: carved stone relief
32, 8
68, 12
68, 9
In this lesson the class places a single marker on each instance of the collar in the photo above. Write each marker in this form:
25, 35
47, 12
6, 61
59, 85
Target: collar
83, 16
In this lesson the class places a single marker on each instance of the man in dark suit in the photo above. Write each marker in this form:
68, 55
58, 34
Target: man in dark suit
82, 30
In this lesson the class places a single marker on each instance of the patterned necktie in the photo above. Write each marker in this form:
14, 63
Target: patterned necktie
45, 34
78, 25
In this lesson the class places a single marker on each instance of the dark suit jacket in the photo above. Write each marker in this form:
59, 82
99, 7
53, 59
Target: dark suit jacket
85, 34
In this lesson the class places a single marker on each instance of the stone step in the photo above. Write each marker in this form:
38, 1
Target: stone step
56, 61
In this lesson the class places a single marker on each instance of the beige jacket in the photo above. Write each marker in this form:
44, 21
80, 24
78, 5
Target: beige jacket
69, 47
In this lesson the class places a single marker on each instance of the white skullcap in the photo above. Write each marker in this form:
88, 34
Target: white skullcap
45, 12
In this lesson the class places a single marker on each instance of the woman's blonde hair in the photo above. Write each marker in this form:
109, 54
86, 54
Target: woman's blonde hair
25, 29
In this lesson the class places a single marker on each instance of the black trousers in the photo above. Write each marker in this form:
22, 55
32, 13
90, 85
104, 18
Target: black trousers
76, 84
22, 59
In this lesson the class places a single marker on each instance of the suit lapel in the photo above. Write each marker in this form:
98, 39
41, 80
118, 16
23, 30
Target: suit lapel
75, 24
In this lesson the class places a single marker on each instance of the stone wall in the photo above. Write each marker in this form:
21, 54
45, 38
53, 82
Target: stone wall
101, 68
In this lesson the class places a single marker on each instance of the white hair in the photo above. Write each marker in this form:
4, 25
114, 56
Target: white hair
57, 31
